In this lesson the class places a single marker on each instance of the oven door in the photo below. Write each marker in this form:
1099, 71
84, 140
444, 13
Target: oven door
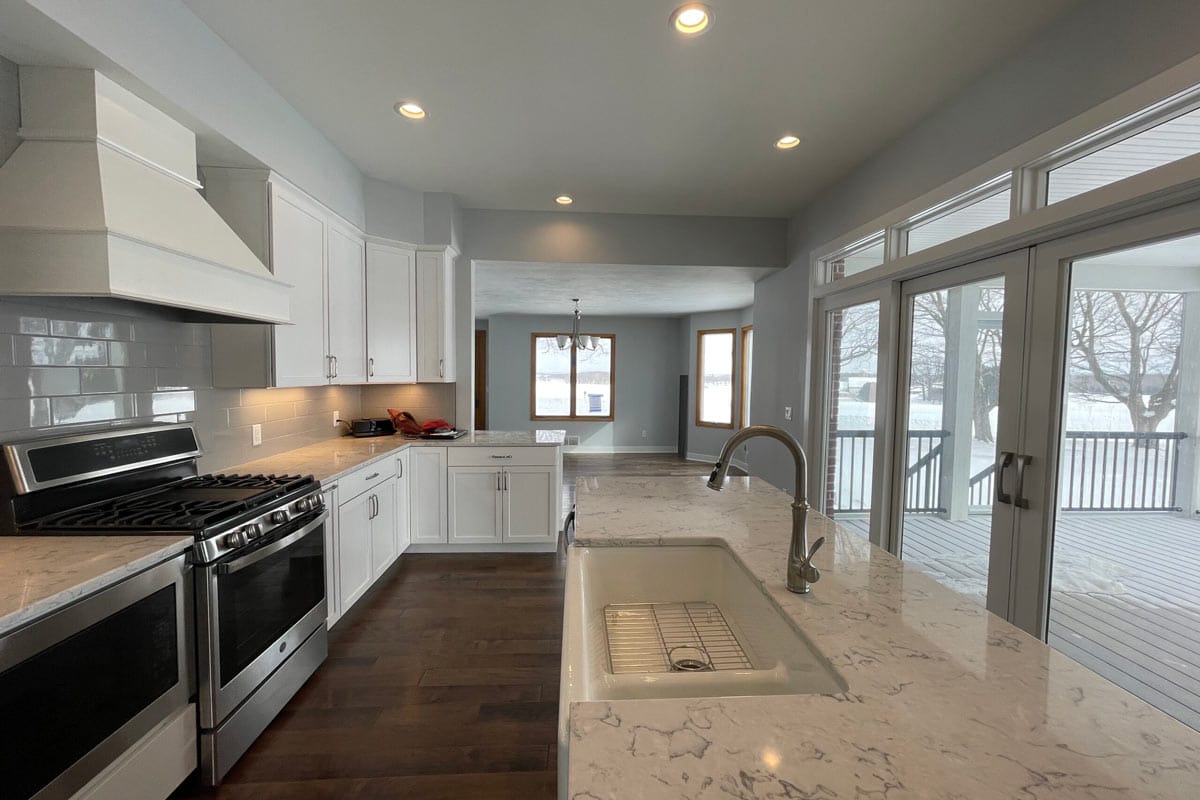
255, 608
81, 685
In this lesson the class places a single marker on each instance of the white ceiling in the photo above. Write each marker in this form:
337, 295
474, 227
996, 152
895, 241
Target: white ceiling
532, 98
507, 287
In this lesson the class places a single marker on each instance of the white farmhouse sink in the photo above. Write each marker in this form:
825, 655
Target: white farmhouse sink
618, 598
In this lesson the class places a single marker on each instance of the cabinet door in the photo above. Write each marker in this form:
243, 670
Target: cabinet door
530, 504
427, 495
383, 528
354, 549
435, 318
474, 500
298, 257
403, 531
332, 596
347, 307
391, 314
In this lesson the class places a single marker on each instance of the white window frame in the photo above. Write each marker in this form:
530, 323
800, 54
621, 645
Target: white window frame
995, 186
1157, 100
873, 239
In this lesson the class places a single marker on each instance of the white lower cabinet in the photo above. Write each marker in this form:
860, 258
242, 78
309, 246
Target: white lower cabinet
355, 571
531, 502
476, 514
427, 495
383, 528
403, 524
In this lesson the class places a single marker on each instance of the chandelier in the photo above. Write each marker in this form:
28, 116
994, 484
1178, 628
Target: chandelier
580, 341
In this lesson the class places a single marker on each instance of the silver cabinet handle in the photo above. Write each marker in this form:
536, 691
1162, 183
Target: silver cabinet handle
371, 477
329, 367
370, 368
506, 481
1019, 499
335, 366
497, 481
1003, 462
441, 367
399, 468
505, 456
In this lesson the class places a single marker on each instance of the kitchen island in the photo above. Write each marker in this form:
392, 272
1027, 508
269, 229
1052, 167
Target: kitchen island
944, 700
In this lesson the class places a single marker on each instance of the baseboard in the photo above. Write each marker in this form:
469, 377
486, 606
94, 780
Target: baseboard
620, 448
737, 462
516, 547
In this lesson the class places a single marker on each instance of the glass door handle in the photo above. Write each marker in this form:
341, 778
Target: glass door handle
1003, 462
1020, 500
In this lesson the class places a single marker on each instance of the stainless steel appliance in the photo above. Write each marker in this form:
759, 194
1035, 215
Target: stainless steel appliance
259, 559
80, 686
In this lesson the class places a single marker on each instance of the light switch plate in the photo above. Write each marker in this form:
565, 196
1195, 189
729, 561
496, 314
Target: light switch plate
787, 412
256, 435
337, 416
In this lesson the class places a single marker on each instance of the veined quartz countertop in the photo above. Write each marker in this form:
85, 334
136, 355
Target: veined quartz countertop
333, 458
39, 574
945, 700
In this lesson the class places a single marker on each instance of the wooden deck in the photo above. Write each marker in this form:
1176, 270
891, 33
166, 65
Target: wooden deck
1125, 599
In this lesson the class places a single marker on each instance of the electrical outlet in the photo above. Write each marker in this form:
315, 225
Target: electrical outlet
337, 418
256, 435
643, 434
787, 412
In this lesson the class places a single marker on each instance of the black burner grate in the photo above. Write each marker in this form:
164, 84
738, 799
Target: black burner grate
189, 505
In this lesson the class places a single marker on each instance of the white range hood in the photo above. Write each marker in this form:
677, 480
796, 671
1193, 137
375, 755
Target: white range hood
101, 200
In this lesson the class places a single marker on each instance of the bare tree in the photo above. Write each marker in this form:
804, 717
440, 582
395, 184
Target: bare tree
1127, 344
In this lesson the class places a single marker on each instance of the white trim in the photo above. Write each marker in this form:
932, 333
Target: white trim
1163, 89
549, 546
618, 448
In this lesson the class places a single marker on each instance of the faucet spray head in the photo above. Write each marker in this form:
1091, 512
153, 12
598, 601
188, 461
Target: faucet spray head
716, 481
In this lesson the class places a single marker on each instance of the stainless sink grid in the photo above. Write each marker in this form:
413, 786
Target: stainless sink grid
671, 637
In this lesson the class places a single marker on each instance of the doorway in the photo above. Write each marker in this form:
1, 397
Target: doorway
481, 372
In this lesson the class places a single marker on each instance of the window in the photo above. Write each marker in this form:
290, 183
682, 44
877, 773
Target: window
968, 213
858, 257
747, 365
852, 375
1169, 141
573, 384
714, 377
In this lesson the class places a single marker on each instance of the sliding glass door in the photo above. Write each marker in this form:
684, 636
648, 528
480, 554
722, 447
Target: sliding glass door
962, 345
1111, 541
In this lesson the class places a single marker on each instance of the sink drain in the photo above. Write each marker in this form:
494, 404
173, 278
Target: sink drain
689, 659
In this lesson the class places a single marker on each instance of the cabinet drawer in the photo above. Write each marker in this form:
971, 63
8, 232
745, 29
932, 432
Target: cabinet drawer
363, 478
502, 456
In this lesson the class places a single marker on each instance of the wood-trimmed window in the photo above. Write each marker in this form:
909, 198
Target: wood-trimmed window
572, 385
715, 393
746, 372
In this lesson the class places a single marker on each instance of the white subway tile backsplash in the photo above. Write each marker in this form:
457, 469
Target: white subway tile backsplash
53, 351
38, 381
79, 409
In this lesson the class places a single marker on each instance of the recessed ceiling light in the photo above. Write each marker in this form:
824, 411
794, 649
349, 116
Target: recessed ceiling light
787, 142
692, 19
564, 199
410, 110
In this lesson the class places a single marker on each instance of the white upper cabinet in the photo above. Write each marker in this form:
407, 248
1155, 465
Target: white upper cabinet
347, 306
435, 316
391, 313
321, 256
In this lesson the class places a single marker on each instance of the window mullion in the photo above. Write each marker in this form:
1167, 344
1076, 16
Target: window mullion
574, 379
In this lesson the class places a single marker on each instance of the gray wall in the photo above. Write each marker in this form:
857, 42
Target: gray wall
703, 442
394, 212
10, 109
1098, 50
647, 377
579, 237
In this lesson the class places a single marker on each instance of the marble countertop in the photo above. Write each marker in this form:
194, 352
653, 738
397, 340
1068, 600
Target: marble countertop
945, 700
39, 574
333, 458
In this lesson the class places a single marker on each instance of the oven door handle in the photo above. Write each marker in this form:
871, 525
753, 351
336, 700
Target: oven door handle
239, 564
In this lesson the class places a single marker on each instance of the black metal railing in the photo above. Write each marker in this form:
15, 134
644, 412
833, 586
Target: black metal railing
1099, 471
1119, 471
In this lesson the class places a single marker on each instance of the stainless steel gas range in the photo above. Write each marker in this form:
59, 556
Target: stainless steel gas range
259, 559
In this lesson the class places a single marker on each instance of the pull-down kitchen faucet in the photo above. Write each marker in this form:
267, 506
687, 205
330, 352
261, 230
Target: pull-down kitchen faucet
801, 573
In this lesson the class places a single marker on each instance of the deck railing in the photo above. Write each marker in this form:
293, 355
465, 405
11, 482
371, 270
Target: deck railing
1100, 471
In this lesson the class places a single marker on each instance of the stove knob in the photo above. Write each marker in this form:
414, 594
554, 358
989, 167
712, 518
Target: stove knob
253, 530
279, 517
235, 539
304, 504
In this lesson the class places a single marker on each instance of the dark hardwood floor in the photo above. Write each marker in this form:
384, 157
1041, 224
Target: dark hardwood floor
441, 684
